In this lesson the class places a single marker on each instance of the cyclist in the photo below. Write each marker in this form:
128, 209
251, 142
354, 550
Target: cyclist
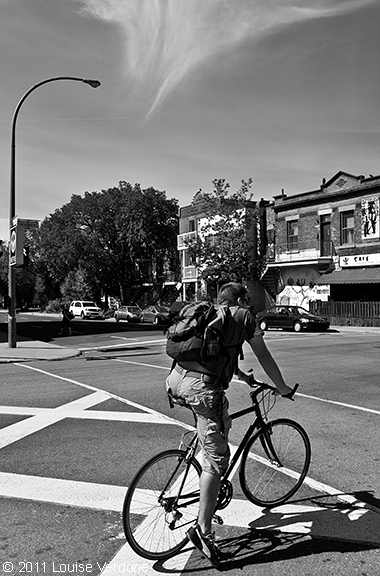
202, 387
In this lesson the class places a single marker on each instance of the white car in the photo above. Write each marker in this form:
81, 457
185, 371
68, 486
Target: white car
85, 309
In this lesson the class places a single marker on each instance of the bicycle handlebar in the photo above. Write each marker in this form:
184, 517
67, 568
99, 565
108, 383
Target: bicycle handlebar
261, 386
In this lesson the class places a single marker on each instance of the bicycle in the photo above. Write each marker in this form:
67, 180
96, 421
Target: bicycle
162, 500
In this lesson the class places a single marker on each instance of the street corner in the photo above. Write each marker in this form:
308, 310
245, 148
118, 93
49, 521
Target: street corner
35, 350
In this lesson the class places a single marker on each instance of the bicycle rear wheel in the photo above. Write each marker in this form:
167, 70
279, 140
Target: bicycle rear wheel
161, 504
275, 462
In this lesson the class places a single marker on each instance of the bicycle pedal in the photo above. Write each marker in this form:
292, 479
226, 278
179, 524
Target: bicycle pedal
217, 519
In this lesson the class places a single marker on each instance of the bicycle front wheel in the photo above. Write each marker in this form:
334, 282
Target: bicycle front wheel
161, 504
275, 462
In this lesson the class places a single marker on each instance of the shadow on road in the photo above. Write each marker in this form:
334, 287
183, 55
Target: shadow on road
47, 330
295, 531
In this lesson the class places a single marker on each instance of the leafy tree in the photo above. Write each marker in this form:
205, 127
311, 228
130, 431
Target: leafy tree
226, 248
106, 235
75, 286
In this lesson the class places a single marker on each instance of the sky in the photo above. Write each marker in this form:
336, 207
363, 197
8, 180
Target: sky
284, 91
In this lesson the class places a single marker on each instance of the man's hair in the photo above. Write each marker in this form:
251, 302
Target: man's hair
231, 292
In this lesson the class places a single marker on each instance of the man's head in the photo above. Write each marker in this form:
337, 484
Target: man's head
233, 294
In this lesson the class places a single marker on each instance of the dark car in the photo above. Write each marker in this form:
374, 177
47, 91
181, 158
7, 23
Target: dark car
128, 313
155, 314
291, 318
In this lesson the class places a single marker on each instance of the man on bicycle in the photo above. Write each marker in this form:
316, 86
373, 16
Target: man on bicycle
202, 386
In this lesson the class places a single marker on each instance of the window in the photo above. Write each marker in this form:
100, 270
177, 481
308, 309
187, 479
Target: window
347, 227
292, 235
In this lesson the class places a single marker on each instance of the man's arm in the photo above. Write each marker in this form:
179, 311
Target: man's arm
268, 363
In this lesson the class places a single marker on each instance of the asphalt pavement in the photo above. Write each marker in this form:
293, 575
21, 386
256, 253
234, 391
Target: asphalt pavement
29, 350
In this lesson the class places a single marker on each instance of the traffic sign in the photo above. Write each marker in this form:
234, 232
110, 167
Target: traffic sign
16, 245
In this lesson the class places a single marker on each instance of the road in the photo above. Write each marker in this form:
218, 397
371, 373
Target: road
73, 433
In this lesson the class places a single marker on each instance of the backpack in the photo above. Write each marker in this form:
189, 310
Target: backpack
196, 333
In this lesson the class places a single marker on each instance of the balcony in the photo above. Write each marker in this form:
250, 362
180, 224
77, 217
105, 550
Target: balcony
189, 273
183, 239
299, 252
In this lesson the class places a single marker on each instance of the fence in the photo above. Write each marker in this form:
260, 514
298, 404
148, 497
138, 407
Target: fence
355, 313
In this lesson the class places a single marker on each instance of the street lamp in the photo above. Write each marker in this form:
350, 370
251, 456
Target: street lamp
12, 203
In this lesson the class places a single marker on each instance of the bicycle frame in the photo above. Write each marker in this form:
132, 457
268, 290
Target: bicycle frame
257, 424
174, 491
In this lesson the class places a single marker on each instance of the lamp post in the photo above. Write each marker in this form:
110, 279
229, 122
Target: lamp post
12, 342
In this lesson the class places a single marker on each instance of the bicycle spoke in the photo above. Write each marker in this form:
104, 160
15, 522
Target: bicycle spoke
275, 463
167, 514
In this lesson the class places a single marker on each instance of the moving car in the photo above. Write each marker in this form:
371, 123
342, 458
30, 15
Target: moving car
155, 314
128, 313
85, 309
291, 318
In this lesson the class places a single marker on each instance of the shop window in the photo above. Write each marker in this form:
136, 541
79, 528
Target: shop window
347, 227
292, 235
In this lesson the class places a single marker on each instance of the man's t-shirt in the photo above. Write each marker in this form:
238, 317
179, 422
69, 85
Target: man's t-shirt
239, 327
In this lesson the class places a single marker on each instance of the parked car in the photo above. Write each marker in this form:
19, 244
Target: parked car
85, 309
155, 314
291, 317
128, 313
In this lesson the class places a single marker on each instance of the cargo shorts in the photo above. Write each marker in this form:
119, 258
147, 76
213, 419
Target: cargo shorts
213, 422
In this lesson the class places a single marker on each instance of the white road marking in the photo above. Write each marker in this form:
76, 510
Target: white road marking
19, 430
162, 417
96, 496
106, 347
354, 406
86, 415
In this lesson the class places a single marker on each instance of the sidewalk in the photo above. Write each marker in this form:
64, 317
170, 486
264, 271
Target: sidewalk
29, 350
35, 350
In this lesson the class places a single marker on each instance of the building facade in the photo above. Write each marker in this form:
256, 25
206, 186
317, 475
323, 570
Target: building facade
192, 218
324, 245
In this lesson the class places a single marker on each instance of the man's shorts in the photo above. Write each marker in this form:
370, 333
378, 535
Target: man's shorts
213, 422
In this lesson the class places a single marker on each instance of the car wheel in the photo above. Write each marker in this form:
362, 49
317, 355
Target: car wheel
297, 326
263, 325
82, 316
117, 319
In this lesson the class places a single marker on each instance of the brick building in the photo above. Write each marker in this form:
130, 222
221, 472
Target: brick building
324, 245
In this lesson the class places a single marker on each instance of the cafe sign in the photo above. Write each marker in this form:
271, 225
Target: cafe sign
359, 260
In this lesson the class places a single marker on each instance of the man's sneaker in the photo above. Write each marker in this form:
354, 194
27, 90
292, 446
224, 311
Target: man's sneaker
206, 544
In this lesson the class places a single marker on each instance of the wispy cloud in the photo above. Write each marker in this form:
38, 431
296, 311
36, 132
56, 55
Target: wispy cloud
166, 39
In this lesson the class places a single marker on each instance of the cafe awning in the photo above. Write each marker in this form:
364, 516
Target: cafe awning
352, 276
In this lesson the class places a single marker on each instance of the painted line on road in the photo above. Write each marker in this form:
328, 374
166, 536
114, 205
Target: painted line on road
161, 417
20, 430
85, 414
81, 494
320, 487
110, 346
288, 518
354, 406
351, 406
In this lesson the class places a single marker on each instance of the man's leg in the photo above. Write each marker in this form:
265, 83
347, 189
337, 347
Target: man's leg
209, 489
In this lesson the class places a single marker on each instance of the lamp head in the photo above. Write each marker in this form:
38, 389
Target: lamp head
92, 83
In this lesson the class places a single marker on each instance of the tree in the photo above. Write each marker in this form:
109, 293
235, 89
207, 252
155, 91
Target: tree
106, 235
226, 247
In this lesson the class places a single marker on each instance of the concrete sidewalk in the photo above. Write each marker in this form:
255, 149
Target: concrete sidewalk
30, 350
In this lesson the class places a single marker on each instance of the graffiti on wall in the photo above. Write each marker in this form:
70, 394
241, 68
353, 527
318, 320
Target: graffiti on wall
370, 217
302, 295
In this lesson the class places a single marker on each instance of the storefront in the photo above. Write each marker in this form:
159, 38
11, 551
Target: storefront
356, 277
